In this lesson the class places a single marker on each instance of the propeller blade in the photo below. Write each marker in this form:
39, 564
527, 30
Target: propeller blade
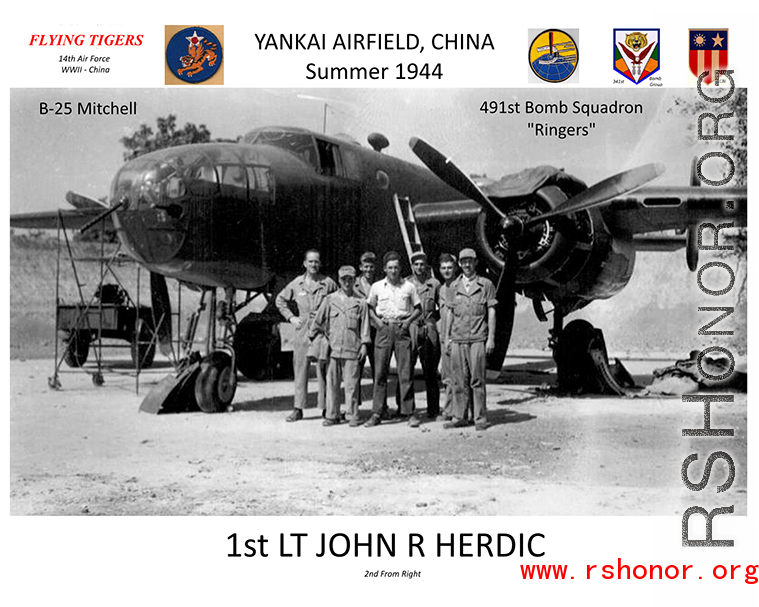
604, 191
80, 201
504, 315
449, 173
159, 296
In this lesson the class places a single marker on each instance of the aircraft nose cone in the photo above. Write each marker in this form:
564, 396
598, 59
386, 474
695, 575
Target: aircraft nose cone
151, 234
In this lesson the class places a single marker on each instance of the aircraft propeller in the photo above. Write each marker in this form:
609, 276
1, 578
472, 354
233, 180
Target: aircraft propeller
513, 226
451, 174
604, 191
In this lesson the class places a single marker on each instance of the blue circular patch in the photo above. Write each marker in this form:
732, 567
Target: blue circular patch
559, 63
194, 54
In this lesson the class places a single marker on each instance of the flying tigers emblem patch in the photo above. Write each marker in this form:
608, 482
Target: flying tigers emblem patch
193, 55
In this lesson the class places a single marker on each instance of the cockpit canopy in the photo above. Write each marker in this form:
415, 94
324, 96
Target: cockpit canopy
177, 174
300, 143
325, 157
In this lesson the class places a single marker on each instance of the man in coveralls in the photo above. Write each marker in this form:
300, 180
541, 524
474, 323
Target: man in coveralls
448, 273
344, 318
298, 303
393, 306
362, 285
425, 339
472, 334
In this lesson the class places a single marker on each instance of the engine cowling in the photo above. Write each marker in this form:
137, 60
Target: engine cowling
572, 258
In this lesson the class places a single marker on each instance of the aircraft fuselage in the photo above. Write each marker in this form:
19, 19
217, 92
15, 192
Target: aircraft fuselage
242, 214
238, 215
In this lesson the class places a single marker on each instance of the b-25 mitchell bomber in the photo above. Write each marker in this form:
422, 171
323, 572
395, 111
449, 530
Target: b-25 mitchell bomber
238, 216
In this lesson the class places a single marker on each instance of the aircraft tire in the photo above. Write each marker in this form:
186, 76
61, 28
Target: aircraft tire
216, 383
582, 361
77, 348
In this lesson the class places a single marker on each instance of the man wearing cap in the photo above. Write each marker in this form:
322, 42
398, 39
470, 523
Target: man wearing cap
344, 318
367, 267
393, 306
298, 303
363, 283
472, 334
448, 267
425, 339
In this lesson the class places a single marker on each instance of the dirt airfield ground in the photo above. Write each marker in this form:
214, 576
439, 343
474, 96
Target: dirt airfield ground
88, 451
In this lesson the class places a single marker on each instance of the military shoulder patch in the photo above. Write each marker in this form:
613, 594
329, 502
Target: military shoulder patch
194, 54
636, 53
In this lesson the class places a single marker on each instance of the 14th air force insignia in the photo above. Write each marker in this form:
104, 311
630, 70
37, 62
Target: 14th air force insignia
194, 55
636, 53
553, 55
707, 52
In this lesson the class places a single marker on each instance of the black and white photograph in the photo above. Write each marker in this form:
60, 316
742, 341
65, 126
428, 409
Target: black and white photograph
363, 302
385, 303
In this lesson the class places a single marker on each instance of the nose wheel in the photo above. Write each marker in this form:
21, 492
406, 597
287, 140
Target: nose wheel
208, 381
216, 383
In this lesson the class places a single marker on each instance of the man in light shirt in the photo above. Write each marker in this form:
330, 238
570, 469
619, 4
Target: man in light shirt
393, 305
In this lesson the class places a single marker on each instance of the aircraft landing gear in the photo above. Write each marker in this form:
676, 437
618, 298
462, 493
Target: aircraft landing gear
216, 380
582, 361
216, 383
208, 381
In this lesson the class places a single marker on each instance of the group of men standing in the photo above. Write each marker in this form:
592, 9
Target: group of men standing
413, 318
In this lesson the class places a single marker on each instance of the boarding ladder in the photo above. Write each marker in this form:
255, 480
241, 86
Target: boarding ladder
407, 223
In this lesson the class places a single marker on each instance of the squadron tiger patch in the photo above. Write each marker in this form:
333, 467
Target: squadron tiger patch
193, 55
636, 53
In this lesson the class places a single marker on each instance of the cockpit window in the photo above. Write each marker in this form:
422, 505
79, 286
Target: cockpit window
175, 187
259, 178
301, 144
178, 174
205, 173
233, 175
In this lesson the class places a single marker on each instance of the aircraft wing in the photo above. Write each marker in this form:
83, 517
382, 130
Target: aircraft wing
49, 220
86, 209
655, 209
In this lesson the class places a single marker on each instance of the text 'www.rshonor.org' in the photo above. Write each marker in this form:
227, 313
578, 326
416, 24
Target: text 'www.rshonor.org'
622, 571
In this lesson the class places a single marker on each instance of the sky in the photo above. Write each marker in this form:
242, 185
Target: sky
51, 154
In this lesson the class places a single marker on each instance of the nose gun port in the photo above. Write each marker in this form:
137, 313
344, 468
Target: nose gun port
175, 211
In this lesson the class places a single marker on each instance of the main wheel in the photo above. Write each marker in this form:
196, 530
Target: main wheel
77, 348
582, 361
143, 346
216, 383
